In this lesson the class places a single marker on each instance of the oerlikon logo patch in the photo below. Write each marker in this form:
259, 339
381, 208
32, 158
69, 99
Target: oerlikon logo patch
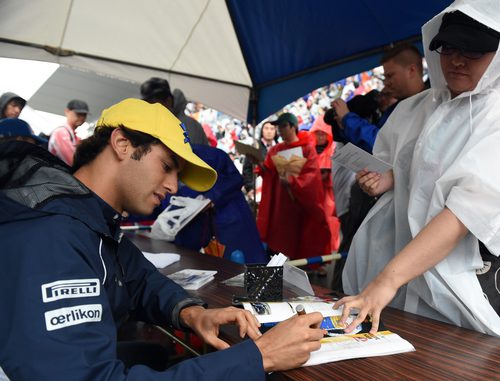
66, 317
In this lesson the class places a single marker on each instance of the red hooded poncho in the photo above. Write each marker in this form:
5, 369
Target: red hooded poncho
325, 163
292, 218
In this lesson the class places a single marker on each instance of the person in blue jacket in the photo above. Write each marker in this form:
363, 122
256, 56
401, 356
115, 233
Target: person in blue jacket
231, 221
403, 72
69, 276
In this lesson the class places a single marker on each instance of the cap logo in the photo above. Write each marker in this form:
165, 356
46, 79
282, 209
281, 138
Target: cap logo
185, 133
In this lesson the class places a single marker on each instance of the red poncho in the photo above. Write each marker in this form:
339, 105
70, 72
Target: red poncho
325, 163
292, 218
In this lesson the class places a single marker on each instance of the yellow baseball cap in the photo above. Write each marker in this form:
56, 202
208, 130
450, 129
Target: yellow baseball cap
156, 120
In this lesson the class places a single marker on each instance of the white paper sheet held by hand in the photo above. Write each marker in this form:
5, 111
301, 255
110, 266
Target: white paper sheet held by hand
356, 159
161, 260
288, 153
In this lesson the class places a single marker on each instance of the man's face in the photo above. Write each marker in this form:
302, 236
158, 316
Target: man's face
396, 79
268, 132
463, 74
13, 109
287, 132
147, 181
75, 119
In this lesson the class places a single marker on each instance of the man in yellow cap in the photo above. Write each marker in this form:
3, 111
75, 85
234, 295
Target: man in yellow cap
76, 277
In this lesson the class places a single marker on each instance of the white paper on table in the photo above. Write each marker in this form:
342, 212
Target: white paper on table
297, 280
192, 279
235, 281
344, 347
161, 260
288, 153
356, 159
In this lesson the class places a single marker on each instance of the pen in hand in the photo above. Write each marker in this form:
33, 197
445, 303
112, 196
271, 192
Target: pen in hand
300, 309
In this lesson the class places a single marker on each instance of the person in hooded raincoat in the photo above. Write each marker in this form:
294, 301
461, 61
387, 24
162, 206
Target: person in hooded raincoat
291, 217
11, 105
325, 146
418, 246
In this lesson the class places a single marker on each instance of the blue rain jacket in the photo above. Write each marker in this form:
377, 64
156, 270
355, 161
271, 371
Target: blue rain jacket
69, 277
361, 132
233, 223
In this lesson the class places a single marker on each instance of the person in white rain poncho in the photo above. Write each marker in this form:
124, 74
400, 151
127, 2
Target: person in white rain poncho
418, 246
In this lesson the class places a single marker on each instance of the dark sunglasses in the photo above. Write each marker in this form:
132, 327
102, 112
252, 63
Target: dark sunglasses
448, 50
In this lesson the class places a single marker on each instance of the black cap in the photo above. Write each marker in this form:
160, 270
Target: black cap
286, 117
155, 89
463, 32
78, 106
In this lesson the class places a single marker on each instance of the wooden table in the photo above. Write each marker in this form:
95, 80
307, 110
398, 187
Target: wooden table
443, 351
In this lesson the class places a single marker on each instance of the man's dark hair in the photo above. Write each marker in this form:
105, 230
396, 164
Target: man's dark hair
10, 97
13, 102
91, 147
404, 55
156, 90
261, 135
8, 138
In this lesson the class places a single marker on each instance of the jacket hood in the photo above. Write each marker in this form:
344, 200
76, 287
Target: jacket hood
486, 12
34, 183
180, 102
325, 157
320, 125
6, 98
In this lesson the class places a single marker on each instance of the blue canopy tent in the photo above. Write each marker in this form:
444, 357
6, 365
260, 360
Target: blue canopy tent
245, 58
291, 49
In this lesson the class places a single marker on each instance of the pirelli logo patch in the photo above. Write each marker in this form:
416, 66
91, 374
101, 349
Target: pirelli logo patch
68, 316
73, 288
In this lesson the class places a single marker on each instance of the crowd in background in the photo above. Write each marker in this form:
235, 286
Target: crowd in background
307, 109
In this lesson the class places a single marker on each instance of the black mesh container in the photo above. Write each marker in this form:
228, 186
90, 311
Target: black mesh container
263, 283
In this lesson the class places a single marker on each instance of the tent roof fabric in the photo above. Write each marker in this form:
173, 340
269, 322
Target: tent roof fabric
226, 54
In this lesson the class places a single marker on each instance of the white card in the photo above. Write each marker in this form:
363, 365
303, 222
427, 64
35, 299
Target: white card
288, 153
161, 260
356, 159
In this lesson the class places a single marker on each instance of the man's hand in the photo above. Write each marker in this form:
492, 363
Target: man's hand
370, 302
341, 110
251, 194
289, 344
206, 322
374, 183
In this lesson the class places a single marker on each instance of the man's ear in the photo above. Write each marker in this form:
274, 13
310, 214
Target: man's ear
412, 69
120, 144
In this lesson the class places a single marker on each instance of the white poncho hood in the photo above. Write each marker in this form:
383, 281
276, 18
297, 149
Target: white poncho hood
445, 153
